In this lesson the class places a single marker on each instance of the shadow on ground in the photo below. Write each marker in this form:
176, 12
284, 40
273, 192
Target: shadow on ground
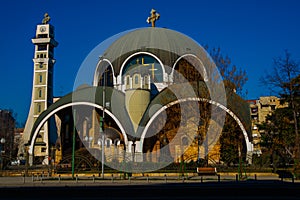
209, 190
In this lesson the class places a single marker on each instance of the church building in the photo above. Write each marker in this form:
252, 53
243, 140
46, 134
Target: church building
145, 105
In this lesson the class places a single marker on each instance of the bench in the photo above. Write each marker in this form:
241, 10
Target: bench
285, 174
207, 171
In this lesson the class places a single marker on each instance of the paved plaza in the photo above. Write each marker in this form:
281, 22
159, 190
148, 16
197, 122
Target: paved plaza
44, 179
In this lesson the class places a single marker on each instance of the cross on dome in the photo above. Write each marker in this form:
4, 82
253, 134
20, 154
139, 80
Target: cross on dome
153, 17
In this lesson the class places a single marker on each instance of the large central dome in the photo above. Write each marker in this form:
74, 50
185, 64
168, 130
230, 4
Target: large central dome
164, 43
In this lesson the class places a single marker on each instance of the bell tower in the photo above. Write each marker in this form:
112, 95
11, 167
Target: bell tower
42, 88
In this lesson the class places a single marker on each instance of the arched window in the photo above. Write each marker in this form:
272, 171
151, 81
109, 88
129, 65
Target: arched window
144, 64
147, 81
40, 93
136, 79
108, 142
106, 76
117, 142
128, 80
184, 141
41, 78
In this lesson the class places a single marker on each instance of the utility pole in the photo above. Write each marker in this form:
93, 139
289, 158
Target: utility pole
73, 144
103, 116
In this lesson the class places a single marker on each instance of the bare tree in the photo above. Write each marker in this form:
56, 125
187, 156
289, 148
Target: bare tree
233, 76
281, 82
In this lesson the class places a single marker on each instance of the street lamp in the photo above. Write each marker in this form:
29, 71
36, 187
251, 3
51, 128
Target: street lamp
101, 142
199, 140
101, 125
133, 153
2, 141
52, 160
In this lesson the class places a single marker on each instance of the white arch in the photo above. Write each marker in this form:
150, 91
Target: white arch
205, 77
119, 79
74, 104
96, 74
248, 143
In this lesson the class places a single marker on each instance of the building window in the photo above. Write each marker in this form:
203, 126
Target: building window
42, 47
108, 143
136, 79
39, 108
146, 79
42, 35
41, 78
40, 93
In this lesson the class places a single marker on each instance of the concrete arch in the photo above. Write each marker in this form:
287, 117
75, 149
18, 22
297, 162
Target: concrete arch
96, 73
233, 115
205, 77
41, 123
119, 79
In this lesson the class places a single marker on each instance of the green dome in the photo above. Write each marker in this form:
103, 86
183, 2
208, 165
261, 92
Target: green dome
166, 44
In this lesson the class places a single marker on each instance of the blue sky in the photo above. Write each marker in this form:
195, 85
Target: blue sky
250, 32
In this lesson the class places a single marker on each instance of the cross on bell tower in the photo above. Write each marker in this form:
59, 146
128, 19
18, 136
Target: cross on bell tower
153, 17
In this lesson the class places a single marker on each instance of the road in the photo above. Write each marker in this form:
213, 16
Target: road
15, 188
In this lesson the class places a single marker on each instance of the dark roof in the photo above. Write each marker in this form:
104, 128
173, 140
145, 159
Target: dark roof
166, 44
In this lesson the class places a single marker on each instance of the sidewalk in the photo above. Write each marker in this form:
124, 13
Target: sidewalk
109, 179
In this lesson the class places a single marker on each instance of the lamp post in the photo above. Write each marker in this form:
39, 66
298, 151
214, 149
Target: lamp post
102, 120
133, 153
2, 141
73, 144
239, 165
199, 140
101, 142
52, 161
198, 137
26, 160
